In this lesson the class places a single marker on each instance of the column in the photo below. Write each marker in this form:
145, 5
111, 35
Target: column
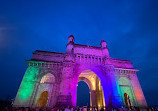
93, 100
65, 97
111, 92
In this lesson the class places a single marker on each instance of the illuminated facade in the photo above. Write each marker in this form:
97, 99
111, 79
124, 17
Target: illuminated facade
51, 78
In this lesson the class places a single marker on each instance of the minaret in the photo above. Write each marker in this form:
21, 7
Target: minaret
104, 48
70, 44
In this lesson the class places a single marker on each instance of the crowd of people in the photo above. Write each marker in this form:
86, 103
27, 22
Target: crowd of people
84, 108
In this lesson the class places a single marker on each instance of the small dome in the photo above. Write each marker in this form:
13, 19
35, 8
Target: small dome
71, 36
71, 39
103, 43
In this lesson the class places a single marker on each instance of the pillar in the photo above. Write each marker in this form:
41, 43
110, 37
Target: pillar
111, 93
67, 86
93, 100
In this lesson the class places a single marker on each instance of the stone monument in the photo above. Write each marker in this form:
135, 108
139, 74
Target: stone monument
51, 78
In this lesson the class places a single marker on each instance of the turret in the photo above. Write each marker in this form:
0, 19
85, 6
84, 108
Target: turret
104, 48
103, 44
70, 44
71, 39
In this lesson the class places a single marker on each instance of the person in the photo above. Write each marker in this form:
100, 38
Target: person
102, 109
93, 109
80, 109
67, 109
84, 108
55, 109
71, 109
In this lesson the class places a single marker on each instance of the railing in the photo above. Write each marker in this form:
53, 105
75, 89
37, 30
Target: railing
89, 59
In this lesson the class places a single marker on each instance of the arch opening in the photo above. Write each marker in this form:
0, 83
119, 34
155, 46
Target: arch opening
95, 88
83, 95
126, 93
43, 100
43, 90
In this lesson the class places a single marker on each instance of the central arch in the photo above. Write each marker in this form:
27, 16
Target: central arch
95, 88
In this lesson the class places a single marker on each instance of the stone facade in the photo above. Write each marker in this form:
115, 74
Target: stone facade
51, 78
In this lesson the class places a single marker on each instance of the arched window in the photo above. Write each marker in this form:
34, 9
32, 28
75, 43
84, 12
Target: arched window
48, 78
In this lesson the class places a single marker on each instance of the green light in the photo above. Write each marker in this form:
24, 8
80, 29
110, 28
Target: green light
124, 87
27, 85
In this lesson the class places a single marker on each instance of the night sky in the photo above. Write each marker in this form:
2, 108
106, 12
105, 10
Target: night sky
83, 94
130, 28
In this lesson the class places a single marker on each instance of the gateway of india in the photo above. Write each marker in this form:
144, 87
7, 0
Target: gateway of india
51, 78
